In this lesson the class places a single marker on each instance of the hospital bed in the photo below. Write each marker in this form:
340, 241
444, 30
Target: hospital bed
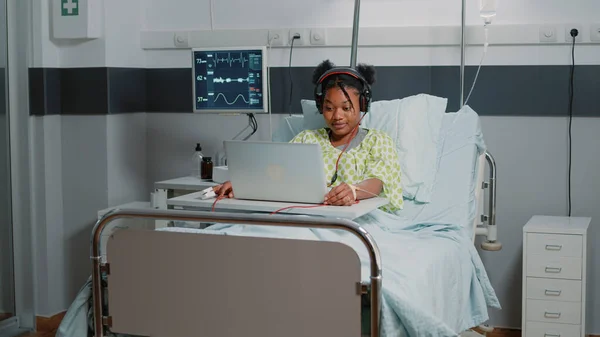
243, 278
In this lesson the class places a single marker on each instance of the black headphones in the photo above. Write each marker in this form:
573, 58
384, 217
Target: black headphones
364, 96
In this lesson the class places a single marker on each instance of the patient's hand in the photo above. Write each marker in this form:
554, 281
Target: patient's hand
224, 190
340, 195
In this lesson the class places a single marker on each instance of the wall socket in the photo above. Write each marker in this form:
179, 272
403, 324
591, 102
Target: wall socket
548, 34
298, 42
318, 37
595, 33
277, 37
569, 38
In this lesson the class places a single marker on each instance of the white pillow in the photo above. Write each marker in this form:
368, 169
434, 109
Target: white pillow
288, 128
414, 124
419, 123
313, 119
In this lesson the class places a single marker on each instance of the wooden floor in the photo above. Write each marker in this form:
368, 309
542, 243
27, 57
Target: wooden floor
501, 333
4, 316
41, 334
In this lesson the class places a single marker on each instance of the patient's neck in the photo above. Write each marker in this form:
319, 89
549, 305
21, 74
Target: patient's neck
337, 140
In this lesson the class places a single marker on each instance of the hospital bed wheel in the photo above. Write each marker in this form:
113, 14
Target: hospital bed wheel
492, 246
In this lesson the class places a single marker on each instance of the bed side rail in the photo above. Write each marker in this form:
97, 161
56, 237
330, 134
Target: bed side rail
373, 290
489, 229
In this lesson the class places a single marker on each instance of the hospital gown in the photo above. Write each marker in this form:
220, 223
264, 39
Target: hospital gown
374, 157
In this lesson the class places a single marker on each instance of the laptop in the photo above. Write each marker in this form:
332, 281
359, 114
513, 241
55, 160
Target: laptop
273, 171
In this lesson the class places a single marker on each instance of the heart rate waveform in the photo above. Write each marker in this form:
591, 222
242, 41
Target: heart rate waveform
227, 101
229, 80
229, 59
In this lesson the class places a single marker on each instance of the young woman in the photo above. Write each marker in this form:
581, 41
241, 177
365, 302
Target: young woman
359, 163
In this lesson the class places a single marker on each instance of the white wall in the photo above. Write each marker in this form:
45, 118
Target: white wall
82, 164
531, 152
6, 287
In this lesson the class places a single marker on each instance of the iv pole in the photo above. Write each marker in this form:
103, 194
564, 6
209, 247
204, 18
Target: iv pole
462, 55
354, 47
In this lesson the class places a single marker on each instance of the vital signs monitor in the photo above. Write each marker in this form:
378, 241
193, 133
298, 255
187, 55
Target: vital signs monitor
230, 80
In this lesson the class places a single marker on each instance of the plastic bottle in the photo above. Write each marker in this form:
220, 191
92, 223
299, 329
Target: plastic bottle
207, 168
487, 10
197, 162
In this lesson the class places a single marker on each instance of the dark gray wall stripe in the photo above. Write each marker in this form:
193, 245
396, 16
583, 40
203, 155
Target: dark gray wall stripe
500, 90
169, 90
84, 91
44, 91
127, 90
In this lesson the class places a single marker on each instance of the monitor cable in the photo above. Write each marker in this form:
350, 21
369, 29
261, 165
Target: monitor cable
574, 33
211, 6
269, 46
296, 36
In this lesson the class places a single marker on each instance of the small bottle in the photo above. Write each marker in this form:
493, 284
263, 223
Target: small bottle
197, 162
207, 168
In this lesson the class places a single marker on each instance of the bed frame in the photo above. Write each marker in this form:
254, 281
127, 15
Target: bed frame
248, 286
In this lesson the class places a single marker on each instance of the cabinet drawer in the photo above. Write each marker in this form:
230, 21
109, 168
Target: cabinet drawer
553, 289
537, 329
554, 312
550, 267
555, 245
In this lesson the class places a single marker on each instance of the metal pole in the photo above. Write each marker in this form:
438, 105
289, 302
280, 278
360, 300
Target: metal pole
242, 219
462, 54
354, 47
492, 186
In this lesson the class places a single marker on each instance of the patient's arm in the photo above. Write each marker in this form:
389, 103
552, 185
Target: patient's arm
342, 194
369, 188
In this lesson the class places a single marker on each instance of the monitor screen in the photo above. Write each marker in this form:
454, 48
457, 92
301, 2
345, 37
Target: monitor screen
230, 80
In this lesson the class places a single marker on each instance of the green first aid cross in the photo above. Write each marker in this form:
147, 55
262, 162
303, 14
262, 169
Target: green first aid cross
69, 7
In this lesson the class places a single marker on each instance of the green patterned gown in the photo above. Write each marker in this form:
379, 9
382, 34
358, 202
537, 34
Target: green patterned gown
374, 157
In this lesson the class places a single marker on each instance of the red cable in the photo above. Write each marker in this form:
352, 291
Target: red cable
217, 199
348, 143
311, 206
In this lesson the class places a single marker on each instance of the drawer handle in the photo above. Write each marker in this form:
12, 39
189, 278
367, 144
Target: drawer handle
553, 247
553, 292
553, 270
551, 335
552, 314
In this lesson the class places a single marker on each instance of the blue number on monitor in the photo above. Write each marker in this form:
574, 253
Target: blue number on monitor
229, 80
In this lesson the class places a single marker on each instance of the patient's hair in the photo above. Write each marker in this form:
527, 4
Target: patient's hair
343, 81
367, 72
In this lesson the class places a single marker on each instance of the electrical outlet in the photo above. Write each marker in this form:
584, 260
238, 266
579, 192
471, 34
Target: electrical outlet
548, 34
595, 33
569, 38
276, 37
297, 42
180, 40
318, 37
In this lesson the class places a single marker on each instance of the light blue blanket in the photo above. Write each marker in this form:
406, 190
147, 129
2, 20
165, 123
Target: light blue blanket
434, 283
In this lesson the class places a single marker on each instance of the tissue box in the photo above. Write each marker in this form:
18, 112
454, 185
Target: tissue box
220, 174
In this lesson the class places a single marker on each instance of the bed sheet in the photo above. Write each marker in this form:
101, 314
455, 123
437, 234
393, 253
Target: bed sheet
453, 197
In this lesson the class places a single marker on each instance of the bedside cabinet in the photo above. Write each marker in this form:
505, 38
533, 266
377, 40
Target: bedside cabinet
555, 265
